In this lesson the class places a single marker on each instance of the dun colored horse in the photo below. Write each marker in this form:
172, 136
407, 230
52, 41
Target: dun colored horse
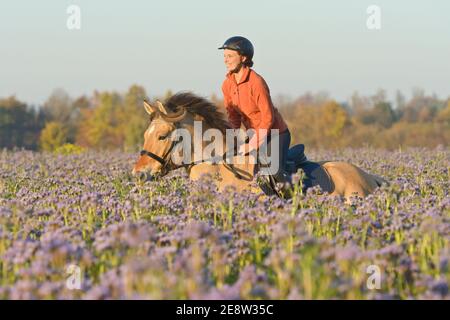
182, 109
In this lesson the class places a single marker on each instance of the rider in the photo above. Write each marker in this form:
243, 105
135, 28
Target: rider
248, 102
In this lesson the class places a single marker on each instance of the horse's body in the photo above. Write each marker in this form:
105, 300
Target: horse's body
183, 108
348, 180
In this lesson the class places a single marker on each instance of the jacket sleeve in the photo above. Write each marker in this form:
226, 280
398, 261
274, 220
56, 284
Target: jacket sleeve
234, 117
266, 111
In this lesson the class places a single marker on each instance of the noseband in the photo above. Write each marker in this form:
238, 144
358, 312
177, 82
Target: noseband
164, 161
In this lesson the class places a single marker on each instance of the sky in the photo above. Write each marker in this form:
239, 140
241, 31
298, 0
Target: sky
300, 46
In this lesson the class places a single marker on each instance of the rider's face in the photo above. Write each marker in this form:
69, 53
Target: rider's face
232, 59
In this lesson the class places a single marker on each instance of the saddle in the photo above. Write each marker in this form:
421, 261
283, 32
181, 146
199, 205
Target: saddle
314, 173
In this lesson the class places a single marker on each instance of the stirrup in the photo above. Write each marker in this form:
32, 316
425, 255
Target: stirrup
265, 184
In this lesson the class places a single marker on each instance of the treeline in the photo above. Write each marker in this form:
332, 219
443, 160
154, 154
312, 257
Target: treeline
105, 120
110, 120
320, 122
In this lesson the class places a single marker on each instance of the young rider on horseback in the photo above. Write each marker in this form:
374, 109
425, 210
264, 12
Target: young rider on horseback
248, 102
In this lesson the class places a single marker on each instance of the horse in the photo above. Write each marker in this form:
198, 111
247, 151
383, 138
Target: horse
182, 110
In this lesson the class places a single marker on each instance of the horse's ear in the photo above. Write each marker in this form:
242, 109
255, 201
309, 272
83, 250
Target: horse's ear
161, 107
149, 108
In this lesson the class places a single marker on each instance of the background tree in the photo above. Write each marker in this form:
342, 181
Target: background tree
334, 119
111, 120
383, 115
19, 124
54, 135
60, 107
444, 116
134, 120
100, 127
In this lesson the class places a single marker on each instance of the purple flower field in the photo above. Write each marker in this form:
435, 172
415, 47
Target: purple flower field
175, 239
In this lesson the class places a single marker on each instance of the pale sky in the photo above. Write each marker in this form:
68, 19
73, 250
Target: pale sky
300, 46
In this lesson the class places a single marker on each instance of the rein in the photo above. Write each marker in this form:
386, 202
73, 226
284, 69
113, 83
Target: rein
165, 162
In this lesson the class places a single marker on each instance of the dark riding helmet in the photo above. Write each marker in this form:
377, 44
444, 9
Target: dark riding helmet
241, 45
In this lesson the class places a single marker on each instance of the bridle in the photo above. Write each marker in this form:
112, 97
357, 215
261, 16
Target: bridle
165, 160
167, 165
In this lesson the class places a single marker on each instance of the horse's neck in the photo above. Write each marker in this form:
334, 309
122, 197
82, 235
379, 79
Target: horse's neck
231, 170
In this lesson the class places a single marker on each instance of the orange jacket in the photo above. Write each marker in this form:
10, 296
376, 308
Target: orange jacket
248, 102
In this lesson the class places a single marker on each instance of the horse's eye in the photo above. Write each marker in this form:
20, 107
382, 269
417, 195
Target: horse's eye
162, 137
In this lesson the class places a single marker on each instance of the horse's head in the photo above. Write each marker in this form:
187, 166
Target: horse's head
179, 111
155, 156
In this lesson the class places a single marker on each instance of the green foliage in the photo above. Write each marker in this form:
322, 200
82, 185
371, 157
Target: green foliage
19, 124
333, 120
53, 136
135, 119
69, 148
99, 126
115, 121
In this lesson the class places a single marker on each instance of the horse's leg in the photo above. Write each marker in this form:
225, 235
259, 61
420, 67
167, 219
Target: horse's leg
349, 180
